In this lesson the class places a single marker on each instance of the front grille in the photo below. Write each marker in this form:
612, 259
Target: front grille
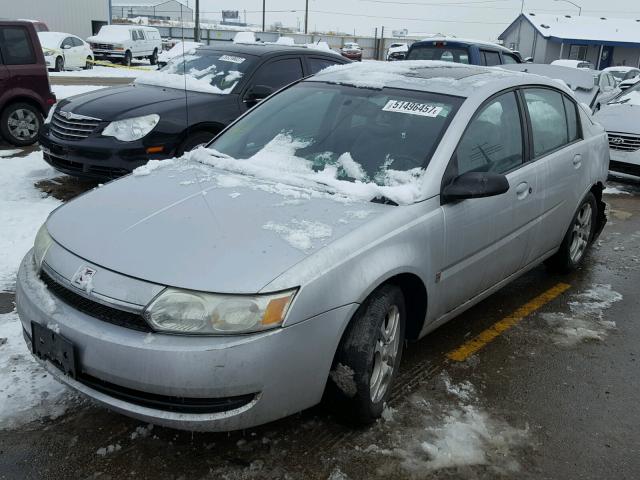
72, 129
624, 142
165, 402
70, 166
97, 310
102, 46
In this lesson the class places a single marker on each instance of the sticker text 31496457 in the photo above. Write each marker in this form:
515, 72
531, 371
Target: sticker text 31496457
412, 108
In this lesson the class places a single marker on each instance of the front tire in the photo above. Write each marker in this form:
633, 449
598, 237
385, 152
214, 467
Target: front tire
20, 123
126, 61
153, 59
578, 238
368, 357
59, 64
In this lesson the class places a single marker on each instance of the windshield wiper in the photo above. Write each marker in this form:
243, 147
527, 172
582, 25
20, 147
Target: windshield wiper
384, 200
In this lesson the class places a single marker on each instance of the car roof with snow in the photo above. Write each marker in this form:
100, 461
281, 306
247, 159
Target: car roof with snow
470, 41
447, 78
260, 49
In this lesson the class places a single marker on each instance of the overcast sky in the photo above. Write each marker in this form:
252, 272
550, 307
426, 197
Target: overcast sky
482, 19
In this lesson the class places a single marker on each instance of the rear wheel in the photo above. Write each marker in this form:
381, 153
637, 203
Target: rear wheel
126, 61
153, 59
195, 140
368, 357
578, 238
59, 64
20, 123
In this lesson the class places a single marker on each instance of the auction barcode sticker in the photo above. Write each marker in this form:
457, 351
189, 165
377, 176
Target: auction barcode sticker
232, 59
412, 108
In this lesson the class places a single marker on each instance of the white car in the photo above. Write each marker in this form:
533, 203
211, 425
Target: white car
64, 51
621, 119
126, 42
608, 88
623, 73
397, 51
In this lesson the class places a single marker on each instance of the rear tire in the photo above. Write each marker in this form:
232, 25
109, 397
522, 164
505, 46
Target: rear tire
195, 140
578, 238
20, 123
59, 64
368, 357
126, 61
153, 59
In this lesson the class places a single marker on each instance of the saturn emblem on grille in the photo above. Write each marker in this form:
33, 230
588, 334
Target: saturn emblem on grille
84, 278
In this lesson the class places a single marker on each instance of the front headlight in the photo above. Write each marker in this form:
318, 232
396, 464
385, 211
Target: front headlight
41, 245
132, 128
48, 53
190, 312
51, 112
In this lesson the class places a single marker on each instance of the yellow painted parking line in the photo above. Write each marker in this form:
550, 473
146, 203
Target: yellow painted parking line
467, 349
114, 65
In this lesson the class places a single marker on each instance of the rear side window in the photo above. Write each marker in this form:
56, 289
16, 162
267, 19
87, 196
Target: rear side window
316, 64
574, 130
439, 52
493, 140
490, 58
548, 120
16, 47
279, 73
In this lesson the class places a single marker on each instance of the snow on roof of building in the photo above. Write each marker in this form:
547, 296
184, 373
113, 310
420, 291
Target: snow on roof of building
596, 30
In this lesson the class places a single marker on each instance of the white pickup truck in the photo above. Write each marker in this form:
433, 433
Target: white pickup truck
126, 42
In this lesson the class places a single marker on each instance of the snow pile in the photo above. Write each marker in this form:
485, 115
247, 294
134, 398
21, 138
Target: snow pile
245, 37
23, 208
300, 234
180, 48
278, 163
178, 81
615, 191
103, 451
285, 41
586, 318
322, 46
150, 166
27, 391
64, 91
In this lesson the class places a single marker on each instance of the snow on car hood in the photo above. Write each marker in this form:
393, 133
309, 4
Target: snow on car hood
185, 224
186, 82
619, 117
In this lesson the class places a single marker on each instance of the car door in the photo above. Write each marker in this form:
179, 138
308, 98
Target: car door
274, 74
79, 58
487, 239
559, 151
67, 52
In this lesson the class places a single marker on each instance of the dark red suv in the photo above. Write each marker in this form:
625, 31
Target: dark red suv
25, 94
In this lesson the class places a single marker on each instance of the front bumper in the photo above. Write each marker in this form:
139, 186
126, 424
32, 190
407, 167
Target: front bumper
277, 373
625, 162
101, 158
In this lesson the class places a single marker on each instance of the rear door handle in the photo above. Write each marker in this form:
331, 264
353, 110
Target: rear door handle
523, 190
577, 160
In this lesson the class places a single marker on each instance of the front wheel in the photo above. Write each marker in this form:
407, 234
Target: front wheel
59, 64
578, 238
153, 59
368, 357
126, 61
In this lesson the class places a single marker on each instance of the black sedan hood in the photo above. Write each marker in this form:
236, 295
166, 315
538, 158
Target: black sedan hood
132, 100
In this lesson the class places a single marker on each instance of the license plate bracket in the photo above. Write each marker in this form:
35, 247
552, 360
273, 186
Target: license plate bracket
51, 346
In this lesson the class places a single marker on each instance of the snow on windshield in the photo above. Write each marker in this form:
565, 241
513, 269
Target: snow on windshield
630, 97
208, 72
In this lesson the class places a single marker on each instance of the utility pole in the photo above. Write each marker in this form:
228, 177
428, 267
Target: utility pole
264, 7
306, 15
196, 32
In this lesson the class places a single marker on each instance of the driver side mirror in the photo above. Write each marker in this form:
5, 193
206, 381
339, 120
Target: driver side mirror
475, 185
257, 93
66, 47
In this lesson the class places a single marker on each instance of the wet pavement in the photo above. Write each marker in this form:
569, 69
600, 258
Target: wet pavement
554, 397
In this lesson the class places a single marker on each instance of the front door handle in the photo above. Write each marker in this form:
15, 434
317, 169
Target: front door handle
577, 160
523, 190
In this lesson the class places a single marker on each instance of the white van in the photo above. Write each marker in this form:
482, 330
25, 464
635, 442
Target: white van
125, 42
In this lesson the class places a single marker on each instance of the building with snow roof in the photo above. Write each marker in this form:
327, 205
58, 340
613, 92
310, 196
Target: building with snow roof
603, 41
156, 9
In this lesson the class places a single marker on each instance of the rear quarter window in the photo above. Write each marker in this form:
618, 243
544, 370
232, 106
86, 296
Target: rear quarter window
15, 45
316, 64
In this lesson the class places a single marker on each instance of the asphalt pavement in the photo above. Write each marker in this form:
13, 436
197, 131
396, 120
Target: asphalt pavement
539, 381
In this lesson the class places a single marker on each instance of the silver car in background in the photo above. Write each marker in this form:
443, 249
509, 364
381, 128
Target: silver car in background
293, 256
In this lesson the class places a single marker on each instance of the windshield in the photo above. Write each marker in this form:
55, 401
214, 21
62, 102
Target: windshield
209, 71
353, 135
50, 39
619, 75
630, 96
439, 51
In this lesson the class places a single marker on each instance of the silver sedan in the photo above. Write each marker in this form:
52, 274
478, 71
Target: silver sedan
292, 257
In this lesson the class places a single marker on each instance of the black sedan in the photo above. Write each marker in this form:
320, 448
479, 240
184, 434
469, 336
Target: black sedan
107, 133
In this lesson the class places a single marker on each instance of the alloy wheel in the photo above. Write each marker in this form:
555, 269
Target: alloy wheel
581, 233
23, 124
384, 355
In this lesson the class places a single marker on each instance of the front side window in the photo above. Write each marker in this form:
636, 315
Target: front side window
548, 119
338, 132
67, 43
77, 42
15, 45
490, 58
316, 64
509, 58
439, 51
493, 140
279, 73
